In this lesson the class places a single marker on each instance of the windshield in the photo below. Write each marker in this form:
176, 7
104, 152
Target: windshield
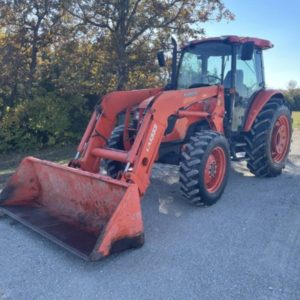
205, 64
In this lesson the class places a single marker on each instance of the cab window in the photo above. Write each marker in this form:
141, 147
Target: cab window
204, 64
248, 75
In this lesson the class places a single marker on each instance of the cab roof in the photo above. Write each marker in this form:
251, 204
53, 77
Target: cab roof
234, 39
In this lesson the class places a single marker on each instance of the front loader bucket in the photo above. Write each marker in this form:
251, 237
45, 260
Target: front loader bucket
89, 214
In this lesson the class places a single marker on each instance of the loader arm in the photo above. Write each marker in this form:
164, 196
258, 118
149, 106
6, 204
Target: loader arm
143, 153
102, 123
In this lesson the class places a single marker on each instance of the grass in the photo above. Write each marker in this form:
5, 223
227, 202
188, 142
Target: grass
296, 119
9, 162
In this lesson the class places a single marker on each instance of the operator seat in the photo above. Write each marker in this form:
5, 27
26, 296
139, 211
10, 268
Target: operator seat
239, 83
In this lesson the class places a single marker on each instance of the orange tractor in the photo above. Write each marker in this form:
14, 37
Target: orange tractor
216, 108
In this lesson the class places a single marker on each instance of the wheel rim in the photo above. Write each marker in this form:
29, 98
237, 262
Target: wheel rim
215, 170
280, 139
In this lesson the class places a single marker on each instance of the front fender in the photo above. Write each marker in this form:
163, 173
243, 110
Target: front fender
258, 103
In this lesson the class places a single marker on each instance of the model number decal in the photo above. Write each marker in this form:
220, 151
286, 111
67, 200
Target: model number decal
190, 94
151, 138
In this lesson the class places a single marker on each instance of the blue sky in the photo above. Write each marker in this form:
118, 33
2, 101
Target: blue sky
275, 20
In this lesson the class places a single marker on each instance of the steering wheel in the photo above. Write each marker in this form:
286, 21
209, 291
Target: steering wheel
213, 77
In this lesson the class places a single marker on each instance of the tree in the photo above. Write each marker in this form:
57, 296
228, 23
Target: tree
12, 65
292, 84
293, 94
130, 24
31, 26
59, 57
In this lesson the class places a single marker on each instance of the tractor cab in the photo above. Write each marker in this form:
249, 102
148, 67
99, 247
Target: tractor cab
234, 62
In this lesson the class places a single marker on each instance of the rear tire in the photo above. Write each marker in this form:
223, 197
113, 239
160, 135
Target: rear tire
204, 168
268, 142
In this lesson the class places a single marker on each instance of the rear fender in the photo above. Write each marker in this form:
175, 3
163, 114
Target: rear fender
258, 103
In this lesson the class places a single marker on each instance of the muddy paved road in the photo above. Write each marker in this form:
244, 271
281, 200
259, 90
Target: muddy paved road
247, 246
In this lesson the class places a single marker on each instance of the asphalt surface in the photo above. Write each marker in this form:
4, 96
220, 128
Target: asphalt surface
247, 246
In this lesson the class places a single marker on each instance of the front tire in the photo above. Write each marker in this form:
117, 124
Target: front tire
268, 142
204, 168
113, 167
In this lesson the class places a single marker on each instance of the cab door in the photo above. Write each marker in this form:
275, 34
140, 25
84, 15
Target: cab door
248, 81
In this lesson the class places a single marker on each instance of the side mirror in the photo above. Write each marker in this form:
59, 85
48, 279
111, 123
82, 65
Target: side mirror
247, 51
161, 59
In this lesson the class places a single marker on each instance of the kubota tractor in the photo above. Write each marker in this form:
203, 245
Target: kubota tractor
216, 108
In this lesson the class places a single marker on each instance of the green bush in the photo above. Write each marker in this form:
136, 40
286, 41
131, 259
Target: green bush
293, 97
46, 120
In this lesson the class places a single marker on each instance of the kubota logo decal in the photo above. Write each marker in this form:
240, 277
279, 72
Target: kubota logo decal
152, 135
